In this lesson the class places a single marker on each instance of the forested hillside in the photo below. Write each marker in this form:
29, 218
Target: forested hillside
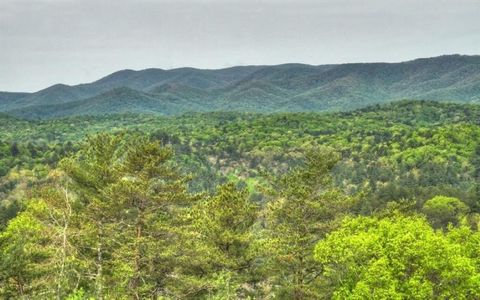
381, 202
278, 88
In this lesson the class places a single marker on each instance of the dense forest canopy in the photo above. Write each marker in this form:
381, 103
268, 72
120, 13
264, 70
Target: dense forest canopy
381, 202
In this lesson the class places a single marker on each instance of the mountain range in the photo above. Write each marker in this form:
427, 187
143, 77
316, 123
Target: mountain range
287, 87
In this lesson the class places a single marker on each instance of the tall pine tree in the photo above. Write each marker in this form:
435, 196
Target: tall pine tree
303, 208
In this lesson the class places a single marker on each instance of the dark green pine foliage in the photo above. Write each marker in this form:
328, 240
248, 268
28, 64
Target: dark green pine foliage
131, 198
303, 209
219, 236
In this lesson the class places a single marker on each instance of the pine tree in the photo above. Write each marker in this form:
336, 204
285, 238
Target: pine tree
303, 209
220, 236
149, 196
131, 199
91, 171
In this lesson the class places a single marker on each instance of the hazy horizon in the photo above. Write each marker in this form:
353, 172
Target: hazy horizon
46, 42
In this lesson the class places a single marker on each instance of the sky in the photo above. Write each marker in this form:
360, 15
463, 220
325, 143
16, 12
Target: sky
44, 42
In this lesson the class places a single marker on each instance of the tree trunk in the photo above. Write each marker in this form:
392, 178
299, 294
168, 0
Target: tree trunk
99, 276
138, 255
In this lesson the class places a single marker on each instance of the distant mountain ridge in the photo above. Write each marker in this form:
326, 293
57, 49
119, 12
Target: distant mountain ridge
287, 87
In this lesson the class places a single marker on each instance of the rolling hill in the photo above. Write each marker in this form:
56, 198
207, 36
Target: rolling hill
288, 87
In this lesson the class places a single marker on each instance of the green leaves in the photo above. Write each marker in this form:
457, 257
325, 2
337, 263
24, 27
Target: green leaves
117, 219
26, 255
442, 211
396, 257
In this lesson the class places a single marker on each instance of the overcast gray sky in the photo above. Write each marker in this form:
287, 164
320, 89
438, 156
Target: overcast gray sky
43, 42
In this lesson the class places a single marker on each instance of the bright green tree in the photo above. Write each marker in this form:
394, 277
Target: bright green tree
26, 257
48, 226
396, 258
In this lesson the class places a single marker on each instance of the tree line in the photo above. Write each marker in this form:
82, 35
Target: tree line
117, 220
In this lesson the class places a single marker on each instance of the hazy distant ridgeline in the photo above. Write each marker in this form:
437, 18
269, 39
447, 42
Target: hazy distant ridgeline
289, 87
